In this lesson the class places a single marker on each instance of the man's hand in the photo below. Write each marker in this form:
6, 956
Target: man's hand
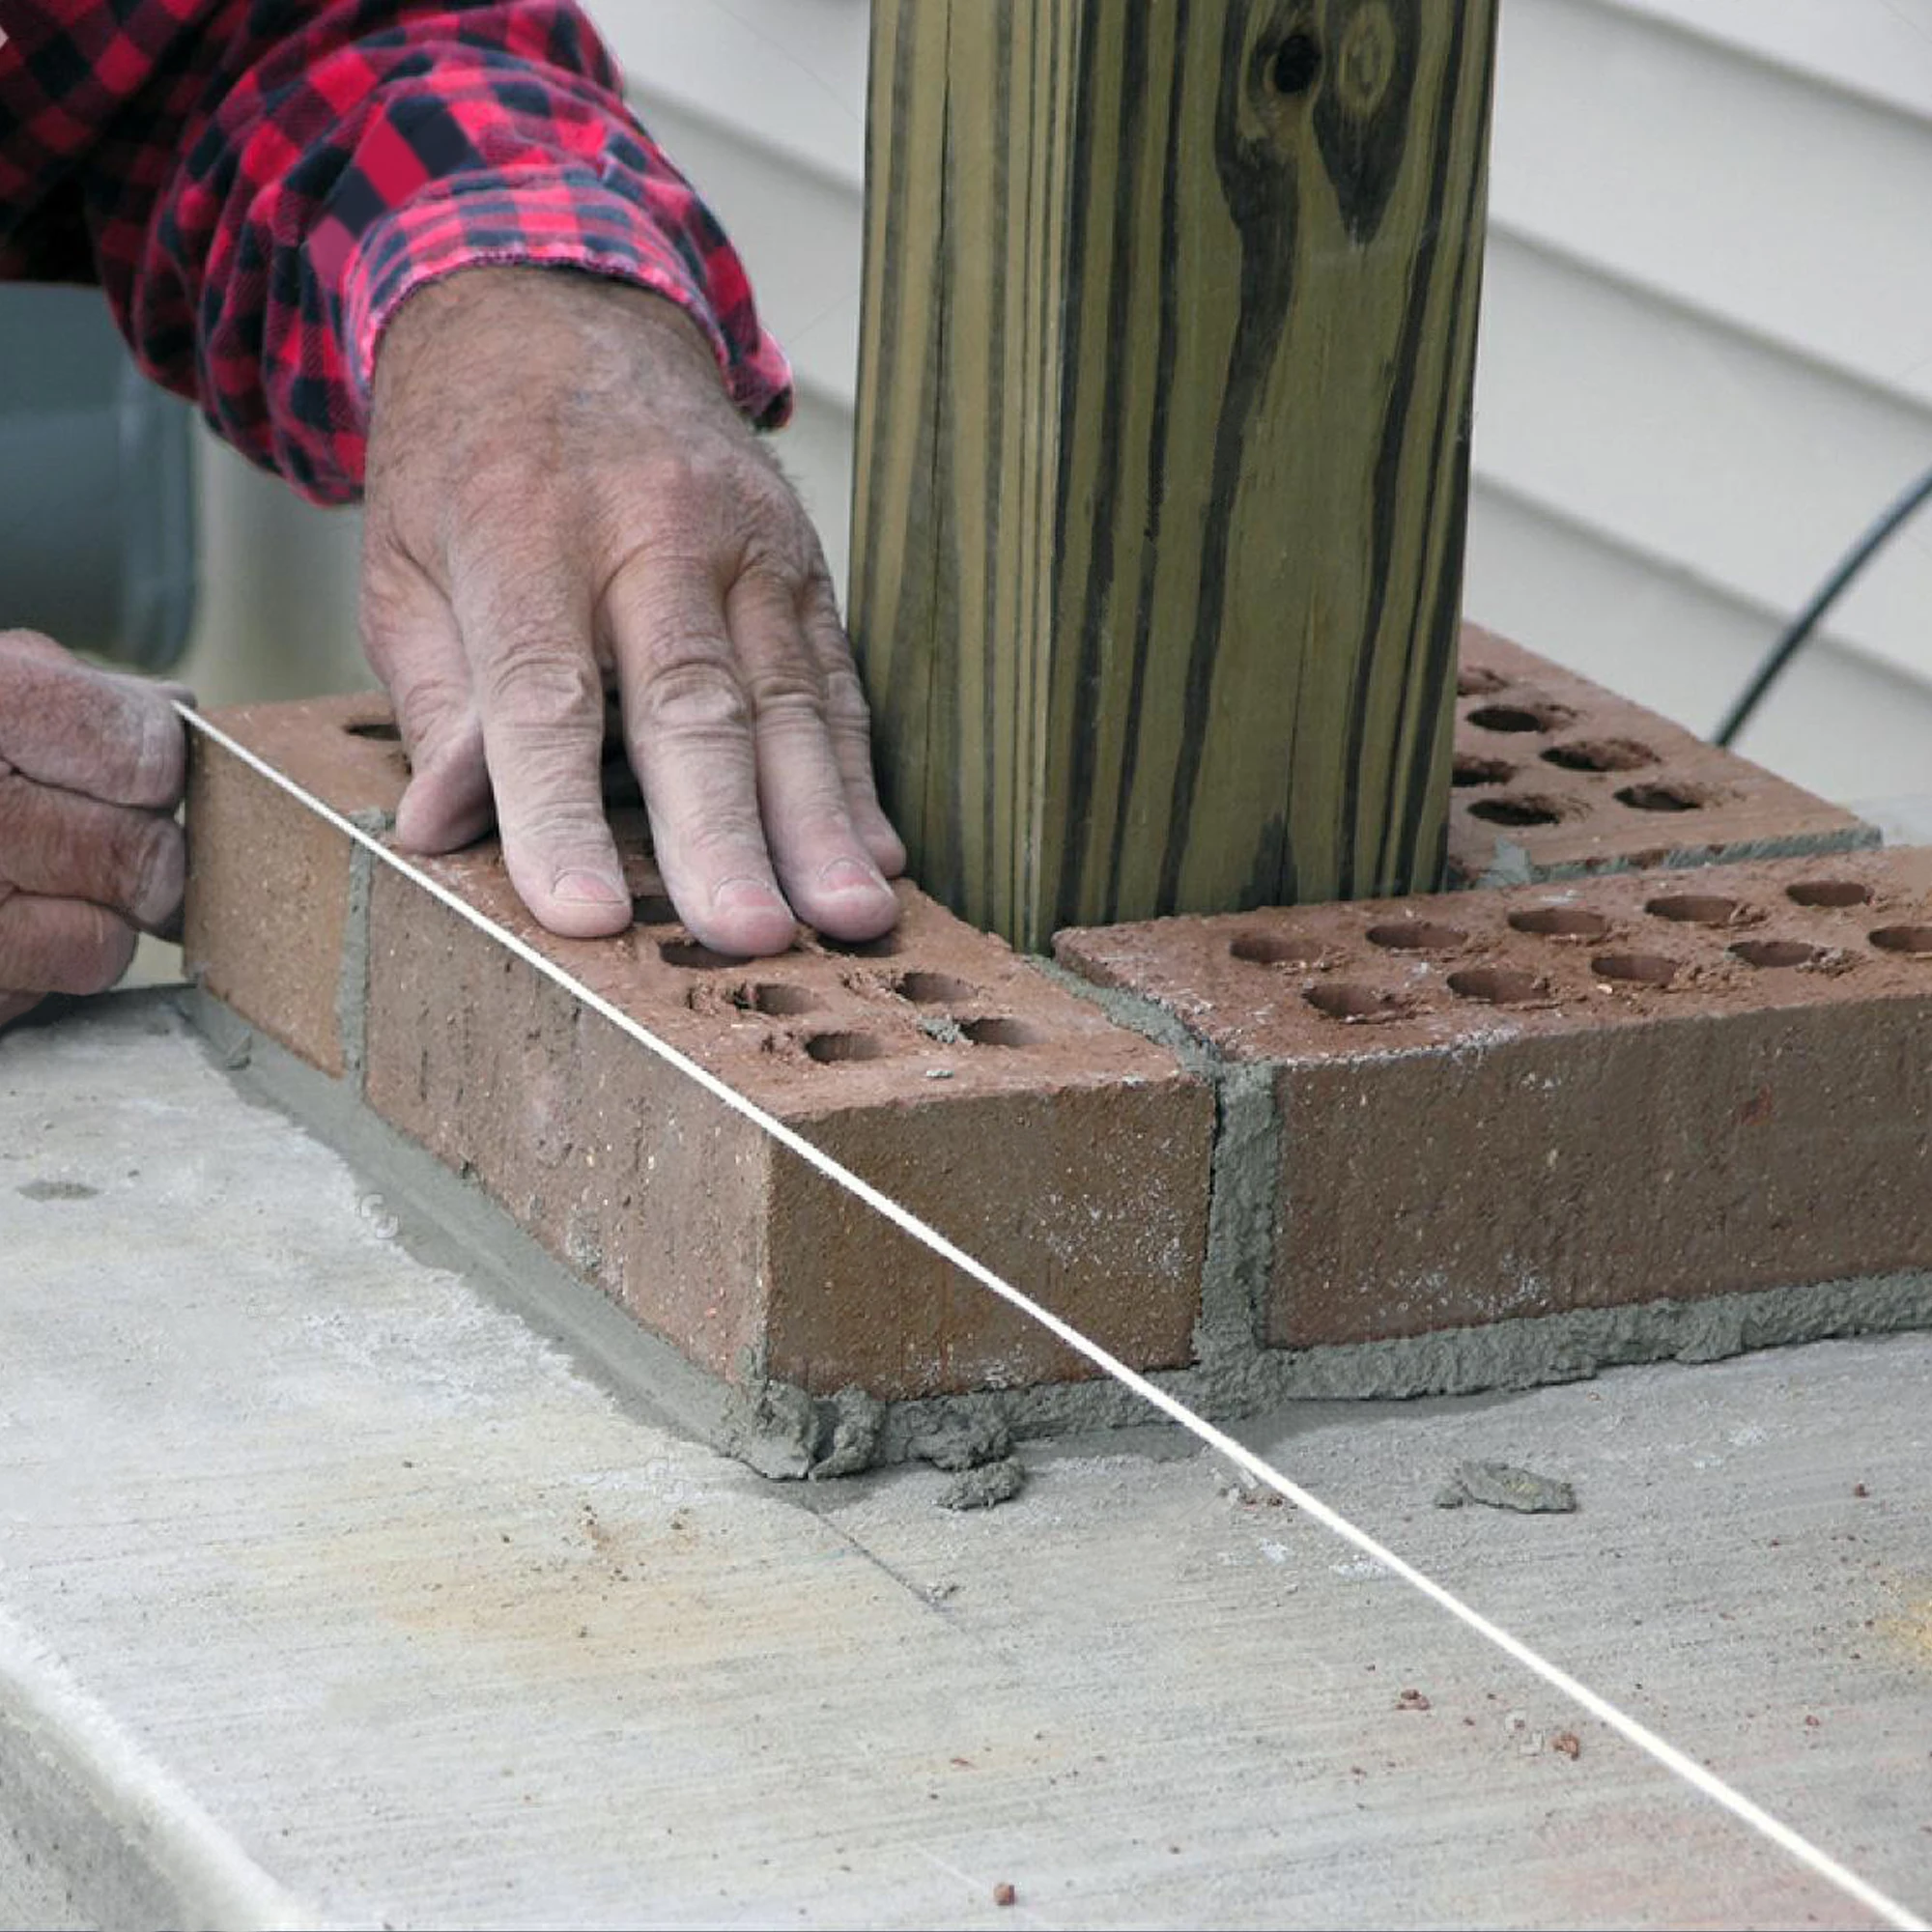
560, 496
91, 771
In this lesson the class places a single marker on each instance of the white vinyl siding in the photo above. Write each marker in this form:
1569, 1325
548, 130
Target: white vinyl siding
1706, 356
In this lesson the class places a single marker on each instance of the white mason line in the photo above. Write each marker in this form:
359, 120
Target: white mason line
1697, 1775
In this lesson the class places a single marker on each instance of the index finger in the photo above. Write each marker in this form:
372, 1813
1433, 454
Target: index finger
64, 724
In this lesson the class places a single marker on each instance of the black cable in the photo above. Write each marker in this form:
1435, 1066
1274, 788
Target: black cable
1828, 593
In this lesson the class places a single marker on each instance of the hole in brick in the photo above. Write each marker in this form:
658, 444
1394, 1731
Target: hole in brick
382, 730
779, 1000
1912, 940
1343, 1002
1829, 893
1269, 948
1660, 798
836, 1049
691, 956
885, 947
1561, 923
1774, 953
1601, 755
1517, 811
1636, 969
1693, 909
1416, 935
653, 909
1002, 1032
932, 989
1474, 771
1479, 681
1521, 717
1496, 985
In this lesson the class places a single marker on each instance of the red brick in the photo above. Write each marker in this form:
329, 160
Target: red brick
1524, 1101
1050, 1143
269, 883
1555, 777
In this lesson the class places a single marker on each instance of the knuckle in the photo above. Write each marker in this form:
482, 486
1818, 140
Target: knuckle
790, 692
150, 868
531, 680
845, 704
693, 697
156, 748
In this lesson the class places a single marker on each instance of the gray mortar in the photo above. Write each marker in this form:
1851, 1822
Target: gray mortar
352, 997
783, 1432
1511, 866
1244, 1182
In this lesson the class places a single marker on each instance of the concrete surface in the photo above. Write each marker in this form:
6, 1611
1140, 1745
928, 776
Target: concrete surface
330, 1592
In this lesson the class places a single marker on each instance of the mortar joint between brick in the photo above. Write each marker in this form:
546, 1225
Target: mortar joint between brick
352, 997
1245, 1175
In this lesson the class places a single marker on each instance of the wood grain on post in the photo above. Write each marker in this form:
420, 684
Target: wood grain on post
1170, 313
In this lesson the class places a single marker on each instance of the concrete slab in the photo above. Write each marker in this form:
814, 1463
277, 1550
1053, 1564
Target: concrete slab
329, 1590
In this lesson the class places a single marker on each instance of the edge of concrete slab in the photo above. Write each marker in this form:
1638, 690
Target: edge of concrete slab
101, 1834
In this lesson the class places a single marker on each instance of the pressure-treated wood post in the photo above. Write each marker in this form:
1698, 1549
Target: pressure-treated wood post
1170, 314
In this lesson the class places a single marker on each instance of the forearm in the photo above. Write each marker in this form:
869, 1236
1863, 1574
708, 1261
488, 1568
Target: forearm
291, 175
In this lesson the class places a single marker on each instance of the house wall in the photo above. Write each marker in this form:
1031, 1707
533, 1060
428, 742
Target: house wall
1706, 355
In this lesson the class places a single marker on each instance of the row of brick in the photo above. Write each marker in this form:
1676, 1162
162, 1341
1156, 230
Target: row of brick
1499, 1102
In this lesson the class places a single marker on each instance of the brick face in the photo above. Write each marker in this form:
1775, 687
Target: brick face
1526, 1101
945, 1070
268, 886
1555, 777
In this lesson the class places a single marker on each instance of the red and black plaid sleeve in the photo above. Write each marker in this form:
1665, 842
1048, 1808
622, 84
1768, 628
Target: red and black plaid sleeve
258, 185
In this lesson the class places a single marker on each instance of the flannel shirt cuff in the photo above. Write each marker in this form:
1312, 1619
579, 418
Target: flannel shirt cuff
565, 221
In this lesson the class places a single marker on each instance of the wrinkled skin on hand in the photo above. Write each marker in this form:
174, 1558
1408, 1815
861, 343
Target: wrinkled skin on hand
561, 500
91, 771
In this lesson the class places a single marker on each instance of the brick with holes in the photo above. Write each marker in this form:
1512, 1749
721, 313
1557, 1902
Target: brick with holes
1526, 1101
1555, 778
1055, 1145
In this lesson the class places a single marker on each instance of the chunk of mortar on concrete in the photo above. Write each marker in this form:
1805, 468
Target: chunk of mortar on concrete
1548, 1099
1502, 1485
1558, 777
963, 1440
986, 1487
854, 1446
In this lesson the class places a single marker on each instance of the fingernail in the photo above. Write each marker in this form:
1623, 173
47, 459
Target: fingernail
745, 895
847, 875
591, 888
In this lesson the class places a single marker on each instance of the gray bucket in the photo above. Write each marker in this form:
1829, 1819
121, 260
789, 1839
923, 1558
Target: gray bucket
97, 502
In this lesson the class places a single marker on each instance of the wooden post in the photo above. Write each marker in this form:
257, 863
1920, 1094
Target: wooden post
1170, 315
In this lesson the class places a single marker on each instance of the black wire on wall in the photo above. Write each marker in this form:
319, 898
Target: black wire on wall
1800, 627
